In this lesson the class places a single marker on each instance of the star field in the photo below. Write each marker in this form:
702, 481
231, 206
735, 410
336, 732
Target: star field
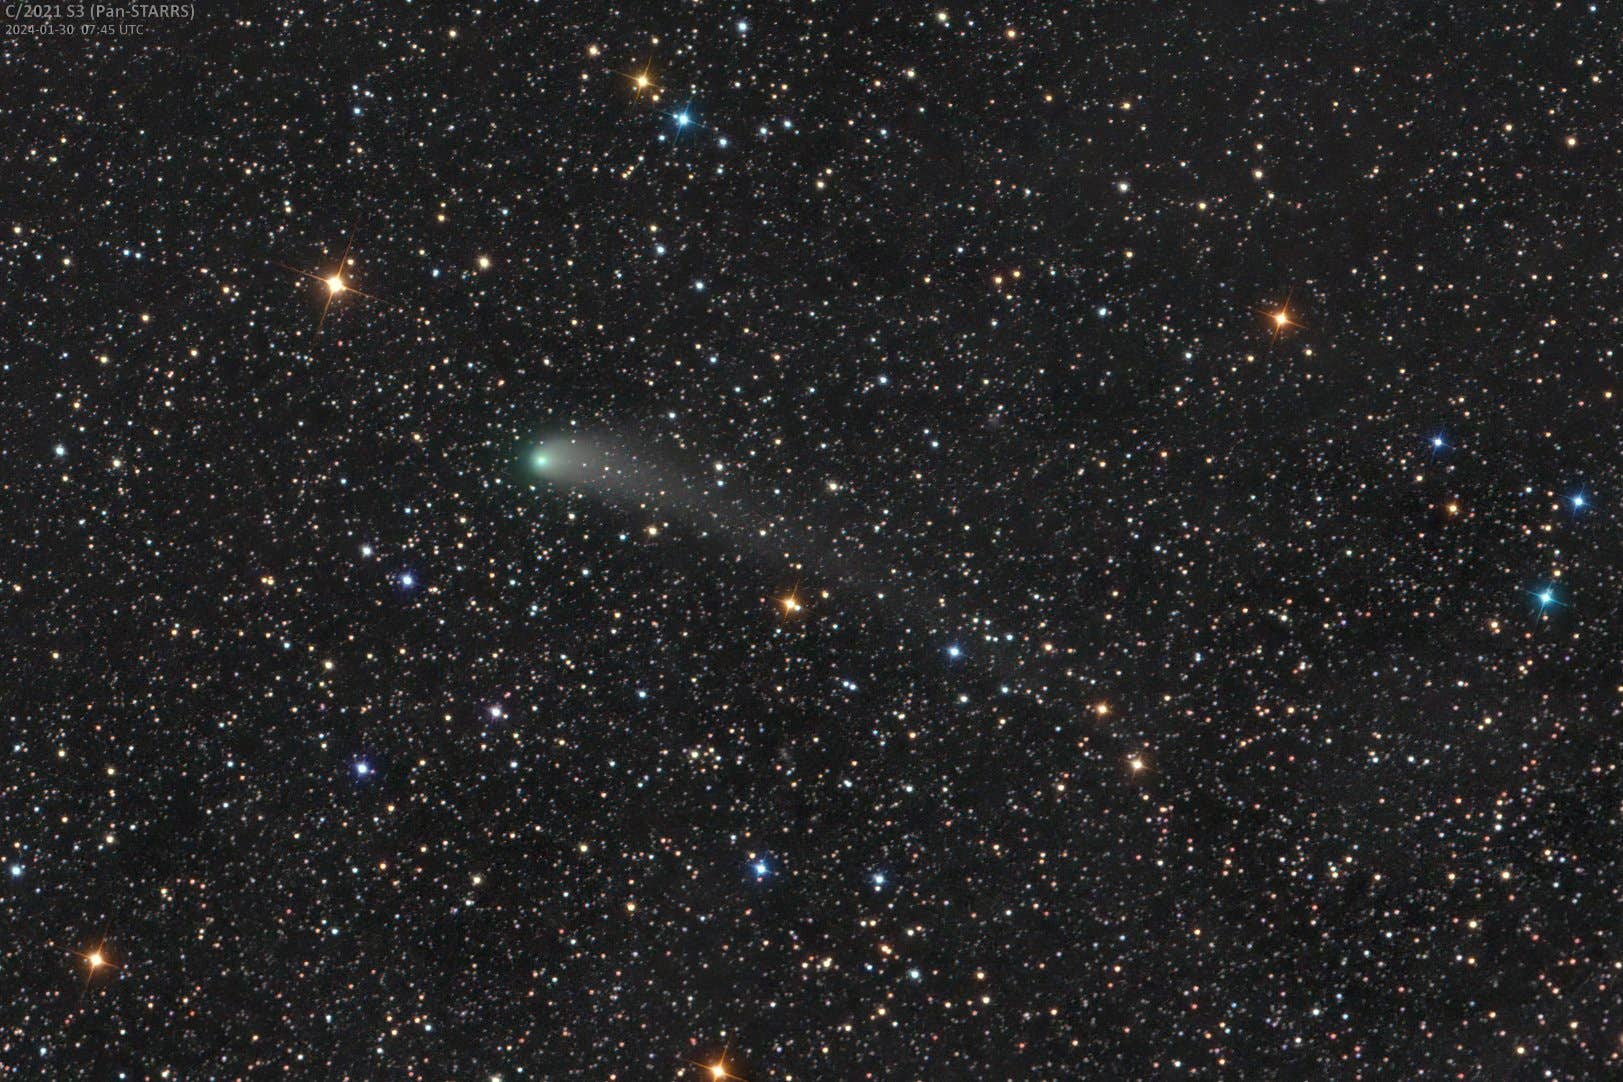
778, 542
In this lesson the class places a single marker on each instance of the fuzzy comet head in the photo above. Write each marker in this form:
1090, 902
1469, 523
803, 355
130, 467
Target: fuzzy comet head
575, 462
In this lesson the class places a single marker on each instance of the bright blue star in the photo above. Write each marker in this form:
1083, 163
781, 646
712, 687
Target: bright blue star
683, 119
407, 579
955, 651
761, 869
878, 880
1544, 597
16, 871
362, 769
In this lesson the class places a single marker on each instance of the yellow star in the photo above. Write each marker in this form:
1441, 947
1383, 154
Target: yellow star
643, 81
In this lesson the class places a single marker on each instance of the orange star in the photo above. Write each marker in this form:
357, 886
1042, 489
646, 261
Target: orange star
791, 604
333, 280
96, 959
1281, 318
719, 1071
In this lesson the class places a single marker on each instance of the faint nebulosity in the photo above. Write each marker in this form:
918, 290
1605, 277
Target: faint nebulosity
778, 542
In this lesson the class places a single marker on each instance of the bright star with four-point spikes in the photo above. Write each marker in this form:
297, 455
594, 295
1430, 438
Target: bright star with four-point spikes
333, 281
1545, 597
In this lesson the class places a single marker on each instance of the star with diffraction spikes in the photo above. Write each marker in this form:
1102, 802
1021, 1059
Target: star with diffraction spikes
97, 960
790, 604
1544, 598
1281, 318
719, 1070
332, 281
642, 81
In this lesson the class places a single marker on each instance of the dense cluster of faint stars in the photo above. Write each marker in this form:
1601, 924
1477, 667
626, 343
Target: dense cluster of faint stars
1097, 566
